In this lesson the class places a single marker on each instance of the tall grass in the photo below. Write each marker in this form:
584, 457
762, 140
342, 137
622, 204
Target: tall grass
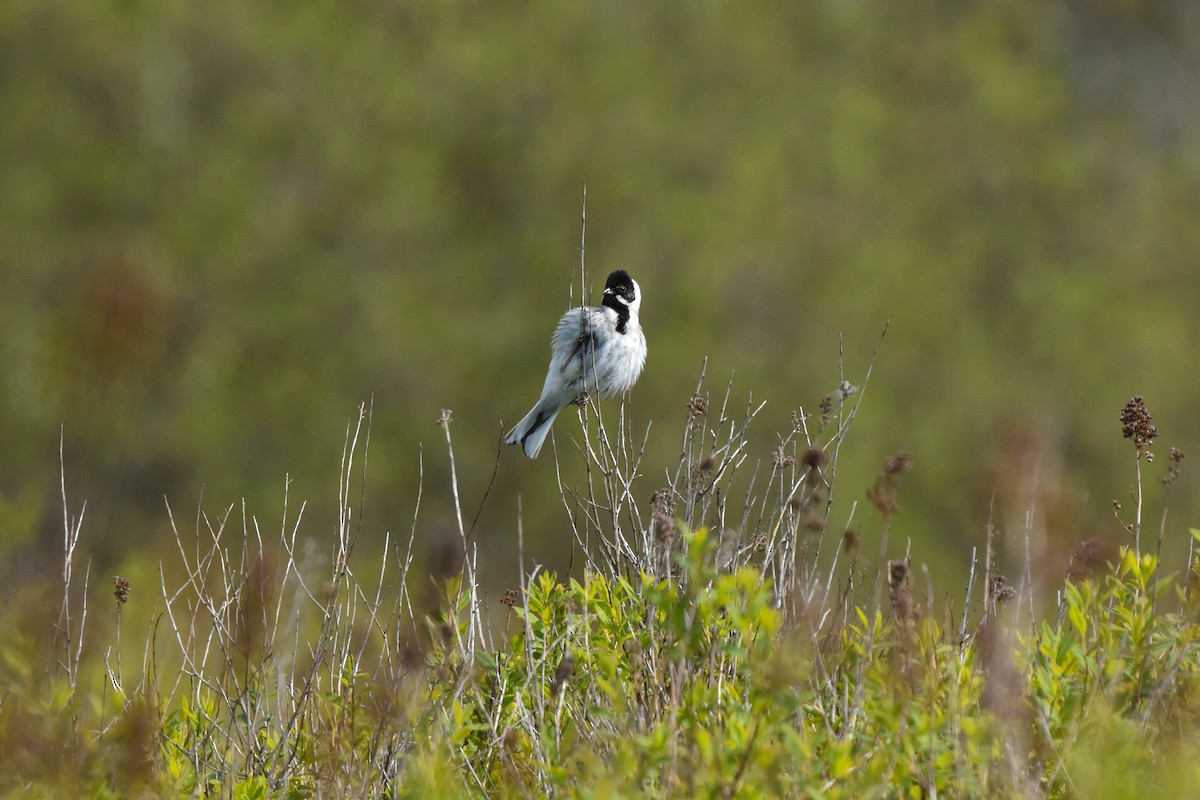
726, 636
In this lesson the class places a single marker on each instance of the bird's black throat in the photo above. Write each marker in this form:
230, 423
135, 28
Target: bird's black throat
611, 301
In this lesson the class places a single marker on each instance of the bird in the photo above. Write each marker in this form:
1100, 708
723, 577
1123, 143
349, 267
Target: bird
595, 350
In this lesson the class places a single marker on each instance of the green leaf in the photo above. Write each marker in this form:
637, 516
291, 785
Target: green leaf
1077, 619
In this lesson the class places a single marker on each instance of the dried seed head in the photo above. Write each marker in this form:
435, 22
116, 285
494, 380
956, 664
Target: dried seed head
881, 499
1176, 456
1088, 556
664, 529
899, 461
509, 598
883, 493
1001, 590
826, 404
706, 463
444, 418
697, 408
663, 502
850, 540
782, 460
121, 590
1116, 505
902, 602
662, 515
1136, 423
813, 457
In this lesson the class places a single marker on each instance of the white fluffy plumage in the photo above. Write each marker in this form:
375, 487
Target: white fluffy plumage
600, 350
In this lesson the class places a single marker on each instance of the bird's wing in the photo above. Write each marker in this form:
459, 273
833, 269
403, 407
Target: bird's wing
575, 337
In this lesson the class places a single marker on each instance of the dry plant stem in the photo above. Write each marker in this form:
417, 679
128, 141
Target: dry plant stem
298, 595
469, 555
1025, 591
583, 284
875, 620
844, 423
590, 460
833, 566
731, 453
877, 591
1137, 511
966, 607
627, 463
584, 295
369, 411
990, 533
1162, 529
781, 548
403, 599
337, 613
117, 679
591, 457
454, 485
72, 636
613, 465
491, 483
578, 506
843, 426
619, 469
726, 455
1162, 522
373, 606
581, 538
839, 436
534, 724
697, 421
683, 484
687, 428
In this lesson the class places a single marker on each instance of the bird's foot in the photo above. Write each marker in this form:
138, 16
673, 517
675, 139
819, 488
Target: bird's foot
583, 398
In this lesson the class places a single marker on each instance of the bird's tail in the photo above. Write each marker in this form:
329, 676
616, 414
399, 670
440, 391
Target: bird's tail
532, 431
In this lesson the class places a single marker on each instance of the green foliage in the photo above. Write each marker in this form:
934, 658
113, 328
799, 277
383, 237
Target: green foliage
684, 659
700, 685
1115, 681
696, 687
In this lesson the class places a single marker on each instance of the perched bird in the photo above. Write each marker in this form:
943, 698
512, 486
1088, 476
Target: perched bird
596, 350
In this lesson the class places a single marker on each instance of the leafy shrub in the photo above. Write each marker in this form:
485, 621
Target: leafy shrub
705, 650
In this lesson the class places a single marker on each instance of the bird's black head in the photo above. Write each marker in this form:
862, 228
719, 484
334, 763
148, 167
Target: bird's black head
619, 284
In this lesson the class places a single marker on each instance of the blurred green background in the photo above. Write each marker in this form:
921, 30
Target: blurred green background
224, 225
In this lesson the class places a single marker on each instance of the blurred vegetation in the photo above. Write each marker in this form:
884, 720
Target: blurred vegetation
225, 225
684, 662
